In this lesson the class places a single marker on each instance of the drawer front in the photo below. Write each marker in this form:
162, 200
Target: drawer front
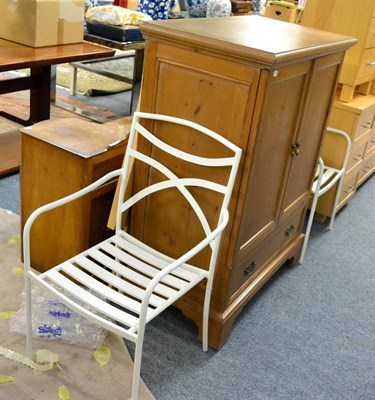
367, 67
365, 123
247, 265
370, 41
367, 168
348, 187
357, 153
370, 143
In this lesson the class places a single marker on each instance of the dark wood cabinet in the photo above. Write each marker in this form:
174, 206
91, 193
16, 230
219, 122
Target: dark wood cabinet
60, 157
267, 86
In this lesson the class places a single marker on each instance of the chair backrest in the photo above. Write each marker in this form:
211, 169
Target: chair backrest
326, 175
164, 165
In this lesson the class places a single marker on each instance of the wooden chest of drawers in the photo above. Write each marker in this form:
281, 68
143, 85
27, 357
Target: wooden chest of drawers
357, 119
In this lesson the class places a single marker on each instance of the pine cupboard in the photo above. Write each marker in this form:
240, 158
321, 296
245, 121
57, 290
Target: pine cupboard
268, 86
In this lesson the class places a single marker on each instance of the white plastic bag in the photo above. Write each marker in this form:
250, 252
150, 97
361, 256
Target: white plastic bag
53, 320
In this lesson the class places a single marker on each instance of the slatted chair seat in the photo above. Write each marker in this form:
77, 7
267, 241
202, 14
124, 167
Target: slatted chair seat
123, 283
326, 177
134, 269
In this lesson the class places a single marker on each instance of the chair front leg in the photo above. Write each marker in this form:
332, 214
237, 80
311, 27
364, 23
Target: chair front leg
28, 305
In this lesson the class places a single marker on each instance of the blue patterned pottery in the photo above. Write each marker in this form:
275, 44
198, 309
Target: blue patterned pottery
219, 8
156, 9
196, 8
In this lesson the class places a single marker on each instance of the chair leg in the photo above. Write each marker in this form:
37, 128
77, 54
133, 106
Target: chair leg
309, 225
29, 345
337, 196
206, 311
137, 366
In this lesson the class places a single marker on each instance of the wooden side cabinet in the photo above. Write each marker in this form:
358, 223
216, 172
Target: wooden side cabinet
357, 119
59, 157
267, 86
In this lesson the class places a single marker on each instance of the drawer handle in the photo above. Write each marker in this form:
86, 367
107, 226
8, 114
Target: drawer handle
349, 189
296, 149
367, 168
357, 157
248, 270
371, 63
366, 124
290, 230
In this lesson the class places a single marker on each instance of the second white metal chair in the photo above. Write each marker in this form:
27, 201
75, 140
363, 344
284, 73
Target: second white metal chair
326, 177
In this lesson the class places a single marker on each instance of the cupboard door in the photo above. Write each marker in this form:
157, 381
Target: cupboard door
322, 86
277, 128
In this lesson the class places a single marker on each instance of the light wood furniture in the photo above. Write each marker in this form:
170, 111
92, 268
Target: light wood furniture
357, 119
75, 152
281, 12
354, 18
247, 78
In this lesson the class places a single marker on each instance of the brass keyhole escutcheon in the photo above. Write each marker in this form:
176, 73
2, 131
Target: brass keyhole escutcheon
249, 268
296, 149
290, 230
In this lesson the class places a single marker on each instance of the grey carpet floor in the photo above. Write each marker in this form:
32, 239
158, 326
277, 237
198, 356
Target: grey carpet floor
309, 334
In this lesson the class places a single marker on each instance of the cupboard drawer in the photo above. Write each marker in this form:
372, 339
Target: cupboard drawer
365, 122
248, 265
348, 187
357, 153
370, 143
367, 66
370, 41
367, 168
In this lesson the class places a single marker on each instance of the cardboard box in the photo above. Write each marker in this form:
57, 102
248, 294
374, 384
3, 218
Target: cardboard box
39, 23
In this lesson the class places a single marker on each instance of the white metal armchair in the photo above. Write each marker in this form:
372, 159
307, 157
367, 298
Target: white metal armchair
122, 284
325, 178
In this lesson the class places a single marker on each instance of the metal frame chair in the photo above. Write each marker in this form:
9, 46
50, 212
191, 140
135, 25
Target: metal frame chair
325, 178
121, 284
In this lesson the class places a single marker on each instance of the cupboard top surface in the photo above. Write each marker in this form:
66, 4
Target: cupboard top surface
259, 38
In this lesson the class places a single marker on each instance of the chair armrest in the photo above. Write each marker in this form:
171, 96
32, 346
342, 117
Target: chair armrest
57, 203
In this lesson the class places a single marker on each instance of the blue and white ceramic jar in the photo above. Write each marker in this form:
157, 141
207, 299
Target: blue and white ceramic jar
219, 8
196, 8
156, 9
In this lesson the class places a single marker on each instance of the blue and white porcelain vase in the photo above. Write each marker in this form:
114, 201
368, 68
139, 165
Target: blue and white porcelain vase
156, 9
219, 8
196, 8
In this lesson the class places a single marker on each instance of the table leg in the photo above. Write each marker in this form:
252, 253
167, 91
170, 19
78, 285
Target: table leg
39, 84
40, 98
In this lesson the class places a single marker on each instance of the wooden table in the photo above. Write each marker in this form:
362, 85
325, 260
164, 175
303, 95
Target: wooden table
40, 60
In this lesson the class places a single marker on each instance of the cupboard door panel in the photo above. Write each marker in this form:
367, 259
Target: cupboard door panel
216, 93
314, 121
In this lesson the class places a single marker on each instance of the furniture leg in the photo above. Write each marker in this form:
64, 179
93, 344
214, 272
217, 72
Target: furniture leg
73, 80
